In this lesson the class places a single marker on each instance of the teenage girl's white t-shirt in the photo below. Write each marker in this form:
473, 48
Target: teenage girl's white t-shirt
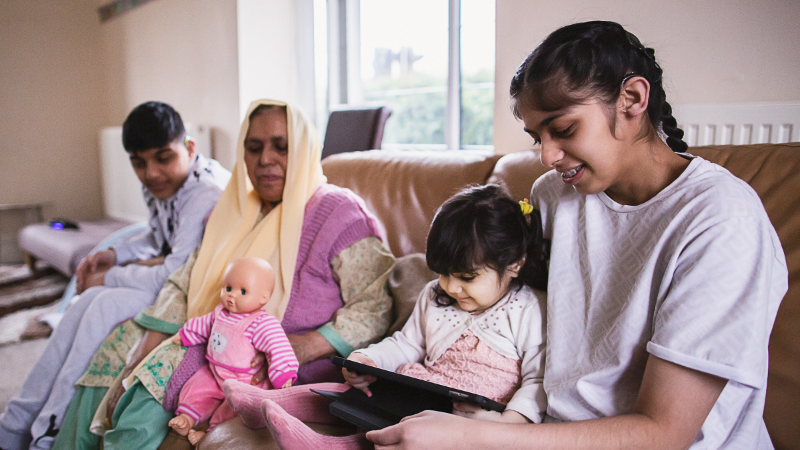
693, 276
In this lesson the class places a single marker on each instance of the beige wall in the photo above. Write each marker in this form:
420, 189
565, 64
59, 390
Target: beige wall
64, 75
50, 105
182, 52
712, 51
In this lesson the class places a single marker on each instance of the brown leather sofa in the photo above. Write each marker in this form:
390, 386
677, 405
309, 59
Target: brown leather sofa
404, 188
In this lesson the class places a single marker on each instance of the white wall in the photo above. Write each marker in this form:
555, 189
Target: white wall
712, 51
276, 52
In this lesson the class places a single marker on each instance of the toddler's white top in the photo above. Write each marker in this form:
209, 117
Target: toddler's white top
693, 276
513, 327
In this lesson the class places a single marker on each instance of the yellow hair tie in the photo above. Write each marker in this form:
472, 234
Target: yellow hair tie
526, 207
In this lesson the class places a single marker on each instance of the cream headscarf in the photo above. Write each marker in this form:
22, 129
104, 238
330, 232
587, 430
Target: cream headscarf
232, 231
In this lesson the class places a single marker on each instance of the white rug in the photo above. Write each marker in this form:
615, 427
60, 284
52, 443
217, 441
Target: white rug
13, 325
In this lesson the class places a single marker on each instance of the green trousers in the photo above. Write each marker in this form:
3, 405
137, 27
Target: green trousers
74, 432
139, 421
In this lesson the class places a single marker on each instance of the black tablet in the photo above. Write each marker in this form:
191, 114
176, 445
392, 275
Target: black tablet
395, 396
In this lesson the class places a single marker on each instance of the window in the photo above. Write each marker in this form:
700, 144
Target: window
431, 61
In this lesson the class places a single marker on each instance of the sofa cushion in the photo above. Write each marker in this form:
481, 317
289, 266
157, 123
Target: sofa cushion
404, 188
408, 278
517, 171
233, 434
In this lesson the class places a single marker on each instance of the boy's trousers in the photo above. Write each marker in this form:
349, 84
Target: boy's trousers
50, 386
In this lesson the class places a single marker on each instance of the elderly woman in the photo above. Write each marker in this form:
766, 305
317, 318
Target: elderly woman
330, 293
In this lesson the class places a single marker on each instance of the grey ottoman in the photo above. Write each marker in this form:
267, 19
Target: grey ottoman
64, 249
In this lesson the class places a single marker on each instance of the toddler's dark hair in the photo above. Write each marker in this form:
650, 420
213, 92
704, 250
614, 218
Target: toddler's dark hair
151, 125
482, 226
590, 60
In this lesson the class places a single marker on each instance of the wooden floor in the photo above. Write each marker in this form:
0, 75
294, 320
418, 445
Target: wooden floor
17, 361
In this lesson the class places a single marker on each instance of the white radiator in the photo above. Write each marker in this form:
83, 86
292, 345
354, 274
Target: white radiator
122, 191
739, 123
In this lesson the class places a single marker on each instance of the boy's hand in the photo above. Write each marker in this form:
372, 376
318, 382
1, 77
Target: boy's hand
361, 382
96, 262
95, 279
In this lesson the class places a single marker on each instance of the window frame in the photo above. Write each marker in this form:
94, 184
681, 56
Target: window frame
344, 70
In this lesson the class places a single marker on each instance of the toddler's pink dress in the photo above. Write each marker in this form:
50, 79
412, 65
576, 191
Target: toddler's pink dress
472, 366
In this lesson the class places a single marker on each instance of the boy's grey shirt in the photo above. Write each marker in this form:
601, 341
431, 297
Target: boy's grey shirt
176, 228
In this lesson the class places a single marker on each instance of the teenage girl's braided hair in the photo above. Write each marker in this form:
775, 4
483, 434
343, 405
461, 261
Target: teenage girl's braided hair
587, 60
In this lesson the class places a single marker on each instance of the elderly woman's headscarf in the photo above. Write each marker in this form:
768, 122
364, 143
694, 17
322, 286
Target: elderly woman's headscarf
232, 231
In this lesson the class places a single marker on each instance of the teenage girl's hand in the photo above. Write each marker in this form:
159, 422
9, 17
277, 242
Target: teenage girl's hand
471, 411
426, 430
361, 382
99, 261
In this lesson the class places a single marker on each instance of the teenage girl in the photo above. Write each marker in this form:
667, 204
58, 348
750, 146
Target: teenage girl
665, 272
480, 327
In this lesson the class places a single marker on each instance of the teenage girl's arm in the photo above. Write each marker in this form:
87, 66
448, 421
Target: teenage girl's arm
673, 403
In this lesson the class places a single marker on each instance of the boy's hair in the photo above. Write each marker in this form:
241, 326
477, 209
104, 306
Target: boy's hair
151, 125
482, 226
592, 60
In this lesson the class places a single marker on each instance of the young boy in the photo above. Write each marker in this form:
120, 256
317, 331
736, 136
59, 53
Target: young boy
180, 188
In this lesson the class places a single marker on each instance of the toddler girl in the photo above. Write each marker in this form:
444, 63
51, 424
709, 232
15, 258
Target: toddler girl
235, 331
479, 327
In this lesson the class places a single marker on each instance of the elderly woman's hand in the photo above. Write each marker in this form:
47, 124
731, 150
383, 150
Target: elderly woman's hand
311, 346
307, 347
149, 341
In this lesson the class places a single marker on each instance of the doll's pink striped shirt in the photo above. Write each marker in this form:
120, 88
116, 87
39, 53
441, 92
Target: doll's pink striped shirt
265, 333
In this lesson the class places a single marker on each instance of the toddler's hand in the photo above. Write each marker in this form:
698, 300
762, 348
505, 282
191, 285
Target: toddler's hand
361, 382
287, 384
177, 339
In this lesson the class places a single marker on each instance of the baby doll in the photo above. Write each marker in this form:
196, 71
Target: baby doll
235, 331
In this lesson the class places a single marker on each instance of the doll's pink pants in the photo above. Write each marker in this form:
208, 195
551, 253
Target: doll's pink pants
202, 397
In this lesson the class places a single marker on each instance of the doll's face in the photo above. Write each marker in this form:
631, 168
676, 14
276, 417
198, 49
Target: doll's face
247, 286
